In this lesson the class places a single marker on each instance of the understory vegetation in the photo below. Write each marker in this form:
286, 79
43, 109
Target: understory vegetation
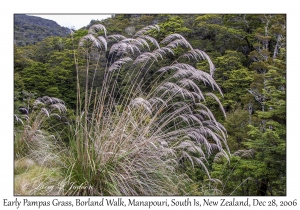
190, 105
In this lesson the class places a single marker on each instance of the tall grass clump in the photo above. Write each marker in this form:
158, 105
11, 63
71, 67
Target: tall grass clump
147, 119
36, 151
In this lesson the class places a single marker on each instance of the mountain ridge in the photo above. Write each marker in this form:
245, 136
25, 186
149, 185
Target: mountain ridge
31, 29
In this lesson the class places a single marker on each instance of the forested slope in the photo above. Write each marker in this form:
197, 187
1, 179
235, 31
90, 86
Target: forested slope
249, 55
31, 29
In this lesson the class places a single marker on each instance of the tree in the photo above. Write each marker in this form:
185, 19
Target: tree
119, 74
268, 137
234, 79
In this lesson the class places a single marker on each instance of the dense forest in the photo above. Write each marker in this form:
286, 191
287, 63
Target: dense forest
158, 104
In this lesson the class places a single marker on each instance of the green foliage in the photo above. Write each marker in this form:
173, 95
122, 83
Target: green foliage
268, 138
234, 79
37, 77
237, 175
46, 69
248, 51
271, 151
237, 128
173, 25
217, 30
21, 58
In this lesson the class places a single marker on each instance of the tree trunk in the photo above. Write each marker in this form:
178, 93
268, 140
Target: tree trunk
263, 187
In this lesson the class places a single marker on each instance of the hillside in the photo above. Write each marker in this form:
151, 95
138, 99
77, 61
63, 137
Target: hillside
30, 29
193, 105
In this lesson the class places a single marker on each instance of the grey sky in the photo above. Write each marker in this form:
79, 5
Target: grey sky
73, 21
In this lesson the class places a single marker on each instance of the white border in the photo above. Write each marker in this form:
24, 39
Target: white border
152, 6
